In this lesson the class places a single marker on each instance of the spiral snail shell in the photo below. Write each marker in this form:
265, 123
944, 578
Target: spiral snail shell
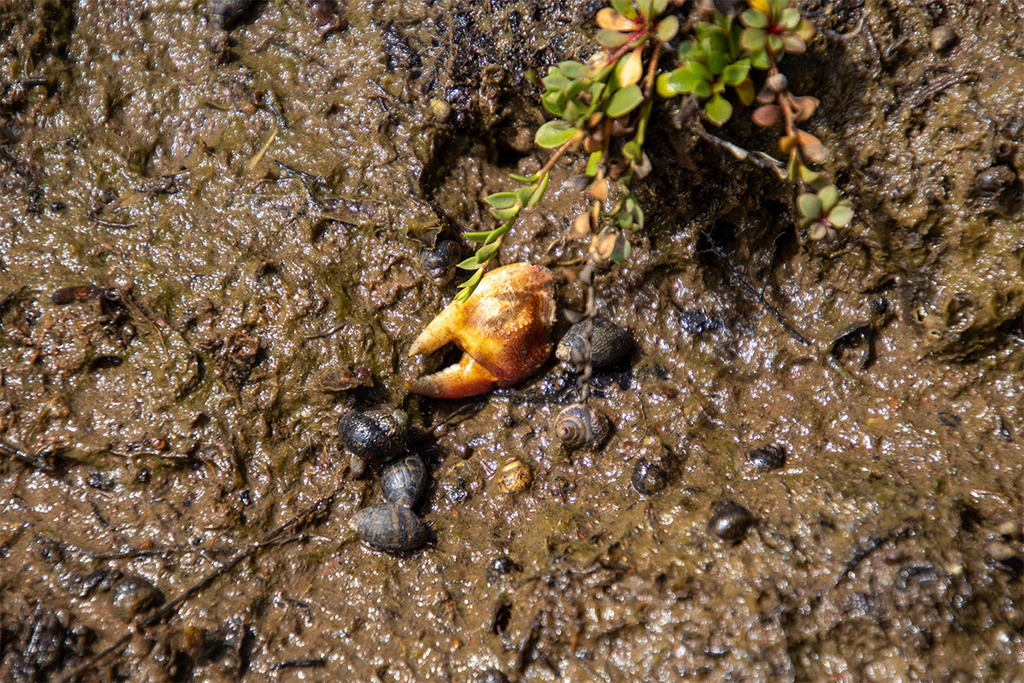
390, 527
402, 481
609, 343
374, 436
580, 426
514, 476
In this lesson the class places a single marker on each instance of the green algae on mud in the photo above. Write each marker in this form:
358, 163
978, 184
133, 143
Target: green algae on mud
888, 546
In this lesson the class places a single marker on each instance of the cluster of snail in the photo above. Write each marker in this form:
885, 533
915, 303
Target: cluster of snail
378, 438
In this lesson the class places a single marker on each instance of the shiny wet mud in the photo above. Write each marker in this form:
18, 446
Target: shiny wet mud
244, 227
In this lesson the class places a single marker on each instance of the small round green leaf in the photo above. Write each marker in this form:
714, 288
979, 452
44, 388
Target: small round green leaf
828, 195
624, 219
754, 18
622, 249
753, 39
632, 151
734, 74
502, 200
663, 86
623, 102
555, 80
573, 70
841, 215
611, 39
506, 214
554, 101
554, 134
625, 8
667, 28
809, 206
759, 60
789, 18
484, 253
718, 110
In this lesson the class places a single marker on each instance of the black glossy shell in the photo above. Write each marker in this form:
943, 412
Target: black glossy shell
730, 521
648, 477
132, 595
440, 261
224, 13
609, 343
389, 527
374, 436
764, 459
402, 481
580, 426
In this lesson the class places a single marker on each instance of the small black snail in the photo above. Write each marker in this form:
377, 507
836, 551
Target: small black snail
389, 527
403, 480
764, 459
225, 13
580, 426
608, 344
730, 521
376, 436
440, 261
648, 477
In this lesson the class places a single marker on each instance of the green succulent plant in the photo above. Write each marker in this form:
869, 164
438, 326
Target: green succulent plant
610, 97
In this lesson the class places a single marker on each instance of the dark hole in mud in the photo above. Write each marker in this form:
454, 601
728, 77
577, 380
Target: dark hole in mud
502, 616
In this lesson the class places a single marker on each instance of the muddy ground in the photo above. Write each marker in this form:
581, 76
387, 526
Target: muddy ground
247, 223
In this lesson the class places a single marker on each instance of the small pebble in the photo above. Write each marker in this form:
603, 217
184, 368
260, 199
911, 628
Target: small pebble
999, 551
132, 595
994, 180
730, 521
648, 477
490, 676
943, 38
500, 566
1010, 528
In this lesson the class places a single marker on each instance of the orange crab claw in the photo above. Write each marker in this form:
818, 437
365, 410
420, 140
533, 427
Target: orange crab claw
504, 330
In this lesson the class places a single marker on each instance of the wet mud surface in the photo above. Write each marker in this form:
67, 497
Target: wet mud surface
207, 256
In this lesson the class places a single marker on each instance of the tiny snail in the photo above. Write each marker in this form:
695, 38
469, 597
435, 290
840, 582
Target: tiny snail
764, 459
225, 13
389, 527
514, 476
580, 426
648, 477
376, 436
609, 343
402, 481
730, 521
440, 261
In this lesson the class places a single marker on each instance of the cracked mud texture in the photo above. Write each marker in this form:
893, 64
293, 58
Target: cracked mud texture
246, 229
